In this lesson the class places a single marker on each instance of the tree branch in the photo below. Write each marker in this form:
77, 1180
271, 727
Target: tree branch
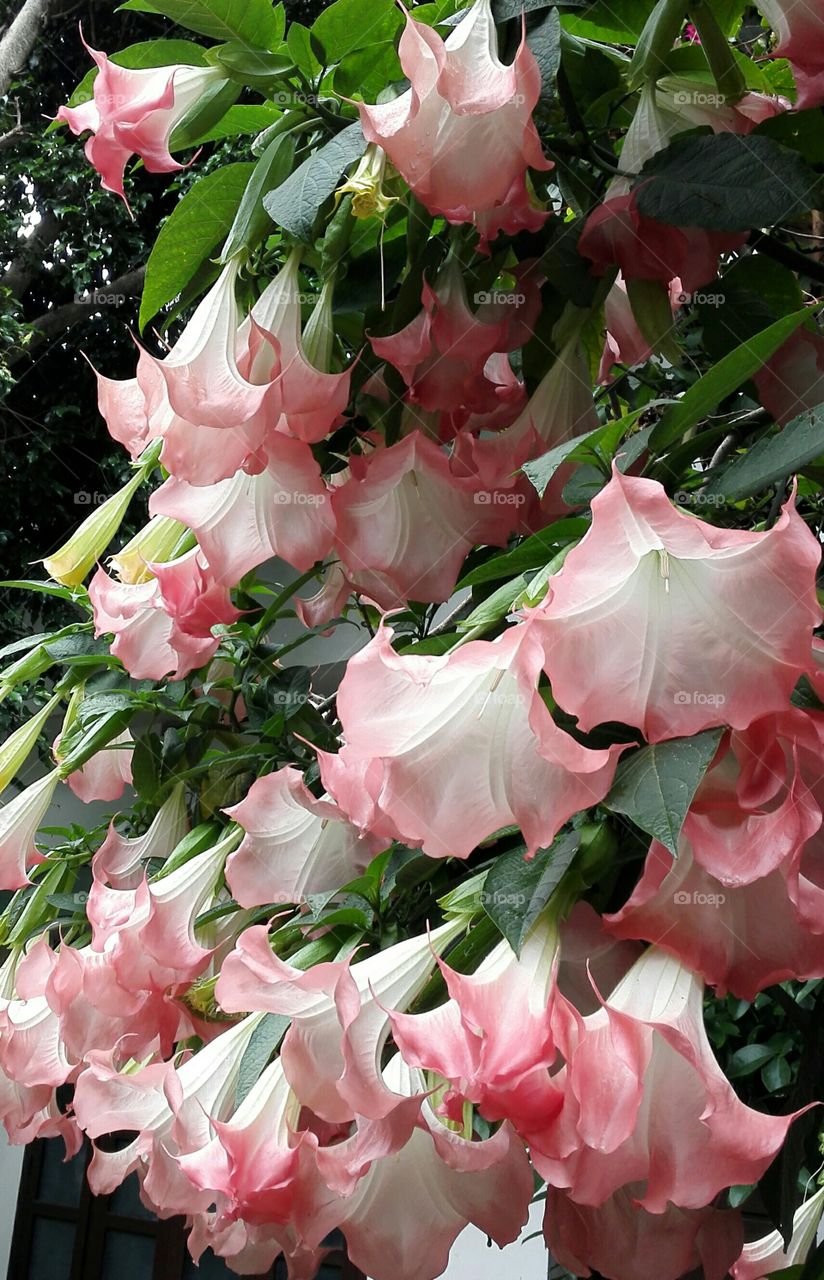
51, 323
19, 39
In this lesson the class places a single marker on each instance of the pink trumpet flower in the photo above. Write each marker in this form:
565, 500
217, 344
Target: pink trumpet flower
449, 356
493, 1038
800, 31
106, 775
768, 1256
20, 819
462, 136
685, 625
792, 381
331, 1052
457, 747
438, 1178
135, 112
241, 522
293, 844
405, 522
625, 1242
623, 1066
163, 626
120, 859
739, 938
160, 1103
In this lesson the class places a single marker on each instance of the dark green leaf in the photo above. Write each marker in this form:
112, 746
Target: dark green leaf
251, 220
516, 890
251, 66
654, 787
348, 25
772, 458
726, 182
199, 222
747, 1060
533, 552
544, 39
295, 204
252, 21
265, 1039
722, 379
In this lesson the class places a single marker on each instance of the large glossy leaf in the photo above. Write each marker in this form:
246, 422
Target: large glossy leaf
772, 458
654, 787
265, 1039
295, 204
726, 182
251, 220
516, 890
254, 22
198, 224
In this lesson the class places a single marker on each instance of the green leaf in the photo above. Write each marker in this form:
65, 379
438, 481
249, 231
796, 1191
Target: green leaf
198, 223
252, 21
42, 588
579, 449
94, 738
252, 66
749, 1059
348, 25
544, 39
516, 890
299, 44
776, 1075
265, 1039
726, 182
722, 379
251, 220
240, 121
503, 10
295, 204
772, 458
654, 787
532, 553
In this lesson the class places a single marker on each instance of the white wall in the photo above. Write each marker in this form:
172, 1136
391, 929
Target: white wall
11, 1162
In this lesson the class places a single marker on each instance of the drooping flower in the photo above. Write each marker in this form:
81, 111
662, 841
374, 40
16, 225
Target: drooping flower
241, 522
493, 1038
623, 1241
800, 31
134, 112
120, 859
20, 819
294, 844
462, 136
624, 342
163, 626
405, 521
792, 381
447, 354
768, 1256
741, 938
457, 747
106, 775
438, 1181
623, 1066
340, 1020
147, 1101
662, 621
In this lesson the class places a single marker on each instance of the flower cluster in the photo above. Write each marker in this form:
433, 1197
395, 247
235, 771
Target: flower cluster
373, 954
